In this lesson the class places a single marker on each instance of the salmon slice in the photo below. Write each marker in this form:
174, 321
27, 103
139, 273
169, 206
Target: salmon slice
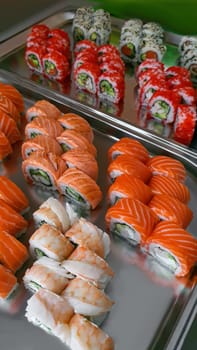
131, 219
11, 221
42, 108
173, 246
126, 186
71, 139
171, 209
43, 126
7, 106
14, 95
40, 143
167, 166
81, 160
166, 185
80, 187
75, 122
124, 164
9, 127
13, 253
43, 169
5, 146
7, 282
130, 147
13, 195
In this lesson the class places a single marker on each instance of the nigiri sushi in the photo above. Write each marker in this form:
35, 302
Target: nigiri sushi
84, 233
86, 264
13, 195
5, 146
75, 122
128, 146
8, 282
42, 108
50, 312
43, 169
13, 254
11, 221
43, 126
167, 166
131, 220
9, 127
40, 142
171, 209
49, 241
7, 106
78, 186
129, 187
124, 164
14, 95
173, 247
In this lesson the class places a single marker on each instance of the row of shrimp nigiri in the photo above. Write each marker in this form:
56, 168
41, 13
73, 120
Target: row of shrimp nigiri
59, 153
149, 204
70, 272
11, 111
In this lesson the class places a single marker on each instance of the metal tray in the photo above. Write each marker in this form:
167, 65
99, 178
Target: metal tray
12, 59
152, 310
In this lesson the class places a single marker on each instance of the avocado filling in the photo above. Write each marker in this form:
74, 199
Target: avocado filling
78, 34
71, 193
39, 253
166, 258
127, 232
33, 61
85, 81
106, 88
93, 36
160, 109
50, 68
40, 176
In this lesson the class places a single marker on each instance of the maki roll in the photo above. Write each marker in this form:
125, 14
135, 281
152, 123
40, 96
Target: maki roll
187, 94
130, 147
167, 166
99, 33
40, 30
153, 30
86, 77
40, 143
149, 64
42, 108
155, 83
150, 48
107, 49
84, 45
43, 126
55, 65
34, 57
177, 71
111, 86
185, 124
11, 221
8, 282
129, 45
163, 105
80, 29
72, 121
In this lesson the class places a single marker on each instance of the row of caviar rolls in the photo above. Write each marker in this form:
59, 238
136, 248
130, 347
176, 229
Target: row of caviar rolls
99, 70
149, 204
48, 52
92, 25
69, 276
59, 154
140, 41
188, 55
167, 95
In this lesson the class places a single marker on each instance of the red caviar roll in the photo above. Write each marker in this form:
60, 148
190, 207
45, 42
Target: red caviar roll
149, 88
84, 44
187, 94
111, 86
185, 124
86, 77
55, 65
177, 71
40, 30
34, 55
149, 64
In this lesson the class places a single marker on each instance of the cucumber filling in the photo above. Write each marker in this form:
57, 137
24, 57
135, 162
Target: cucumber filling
43, 326
33, 61
40, 176
85, 81
106, 88
50, 68
160, 109
39, 253
34, 285
34, 134
127, 232
71, 193
65, 147
78, 34
166, 258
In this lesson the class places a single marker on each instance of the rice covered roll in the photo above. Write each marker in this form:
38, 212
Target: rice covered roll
173, 247
150, 48
111, 86
40, 143
86, 77
42, 108
43, 126
49, 241
71, 139
129, 46
34, 55
185, 124
50, 312
146, 91
149, 63
130, 147
187, 94
163, 105
100, 32
86, 264
84, 233
11, 221
153, 29
77, 123
83, 45
8, 282
167, 166
55, 65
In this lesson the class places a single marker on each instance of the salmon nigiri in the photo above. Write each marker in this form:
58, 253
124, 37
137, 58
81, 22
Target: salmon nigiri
130, 219
173, 247
167, 166
166, 185
13, 253
14, 95
42, 108
130, 147
9, 127
41, 142
43, 126
124, 164
171, 209
7, 106
130, 187
11, 221
75, 122
8, 282
13, 195
5, 146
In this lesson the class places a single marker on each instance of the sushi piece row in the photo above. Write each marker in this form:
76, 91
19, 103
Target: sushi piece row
188, 55
48, 52
99, 70
140, 41
92, 25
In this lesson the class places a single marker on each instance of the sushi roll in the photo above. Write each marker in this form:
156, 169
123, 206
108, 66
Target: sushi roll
83, 45
34, 55
46, 273
11, 221
111, 86
81, 160
40, 143
99, 33
126, 186
43, 169
149, 64
187, 94
152, 85
49, 241
130, 147
150, 73
8, 283
171, 209
42, 108
124, 164
77, 123
40, 30
59, 35
131, 220
84, 233
107, 49
86, 77
13, 254
55, 65
167, 166
50, 312
8, 107
80, 188
5, 146
185, 124
84, 334
152, 29
176, 71
186, 43
14, 95
86, 264
86, 299
11, 194
173, 247
43, 126
84, 57
9, 127
80, 29
129, 46
150, 48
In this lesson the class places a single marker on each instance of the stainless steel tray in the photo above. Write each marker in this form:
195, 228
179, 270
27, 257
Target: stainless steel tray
12, 59
152, 310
